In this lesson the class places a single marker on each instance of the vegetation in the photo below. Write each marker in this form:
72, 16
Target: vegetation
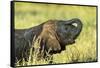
84, 50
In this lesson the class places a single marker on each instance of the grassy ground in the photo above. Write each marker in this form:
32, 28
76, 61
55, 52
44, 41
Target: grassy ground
84, 50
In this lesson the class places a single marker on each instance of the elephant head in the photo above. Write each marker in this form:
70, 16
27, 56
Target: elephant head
68, 31
56, 34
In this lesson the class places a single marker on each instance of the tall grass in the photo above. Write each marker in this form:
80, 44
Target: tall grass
84, 50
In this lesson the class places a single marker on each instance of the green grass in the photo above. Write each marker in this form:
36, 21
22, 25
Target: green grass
84, 50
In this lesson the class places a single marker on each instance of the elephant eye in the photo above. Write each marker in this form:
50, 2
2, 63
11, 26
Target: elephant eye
66, 28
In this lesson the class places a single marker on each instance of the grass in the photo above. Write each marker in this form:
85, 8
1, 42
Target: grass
84, 50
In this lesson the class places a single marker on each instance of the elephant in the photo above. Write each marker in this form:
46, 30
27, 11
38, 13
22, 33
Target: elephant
53, 35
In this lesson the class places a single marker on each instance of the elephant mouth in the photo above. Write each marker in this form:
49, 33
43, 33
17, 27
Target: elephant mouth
68, 41
71, 41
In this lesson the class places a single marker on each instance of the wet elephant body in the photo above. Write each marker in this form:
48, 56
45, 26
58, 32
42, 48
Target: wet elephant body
54, 36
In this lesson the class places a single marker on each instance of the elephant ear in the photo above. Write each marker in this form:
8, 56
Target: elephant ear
50, 37
53, 43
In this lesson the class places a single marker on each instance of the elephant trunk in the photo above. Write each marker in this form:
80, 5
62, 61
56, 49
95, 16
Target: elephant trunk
78, 24
79, 27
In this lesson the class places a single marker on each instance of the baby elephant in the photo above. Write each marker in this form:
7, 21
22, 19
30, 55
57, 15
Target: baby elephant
53, 36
